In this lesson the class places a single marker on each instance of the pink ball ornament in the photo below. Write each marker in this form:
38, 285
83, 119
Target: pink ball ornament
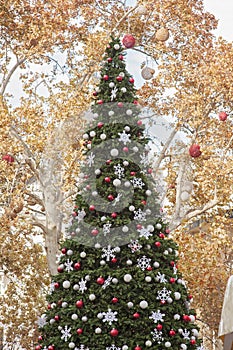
223, 116
128, 41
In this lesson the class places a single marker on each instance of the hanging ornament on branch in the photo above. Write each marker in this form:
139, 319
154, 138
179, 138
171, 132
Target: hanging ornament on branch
162, 34
147, 73
128, 41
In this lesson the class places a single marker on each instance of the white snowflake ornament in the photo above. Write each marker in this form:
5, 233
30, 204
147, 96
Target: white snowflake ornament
124, 137
134, 246
143, 263
66, 333
157, 316
109, 316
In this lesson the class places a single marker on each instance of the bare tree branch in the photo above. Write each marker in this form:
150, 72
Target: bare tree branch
9, 75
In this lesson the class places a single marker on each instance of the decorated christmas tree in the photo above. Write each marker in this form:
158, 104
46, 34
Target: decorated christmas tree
118, 286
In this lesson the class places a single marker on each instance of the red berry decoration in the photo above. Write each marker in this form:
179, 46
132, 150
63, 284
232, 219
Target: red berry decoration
100, 280
108, 162
195, 151
131, 80
110, 197
114, 332
107, 179
115, 300
94, 232
128, 41
77, 266
79, 331
8, 158
159, 327
223, 116
119, 78
136, 315
79, 304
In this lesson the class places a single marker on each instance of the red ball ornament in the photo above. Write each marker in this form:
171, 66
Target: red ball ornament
115, 300
131, 80
125, 149
172, 280
150, 171
56, 285
77, 265
149, 268
108, 162
60, 269
57, 318
132, 173
8, 158
79, 304
137, 348
167, 231
157, 244
172, 333
161, 235
192, 341
110, 197
100, 125
95, 93
79, 331
107, 179
136, 315
51, 347
162, 302
139, 122
128, 41
172, 263
186, 318
223, 116
195, 151
38, 347
92, 208
114, 332
94, 232
100, 102
135, 102
105, 77
190, 297
114, 215
159, 327
121, 57
109, 59
114, 260
40, 338
120, 104
64, 250
119, 78
143, 202
100, 280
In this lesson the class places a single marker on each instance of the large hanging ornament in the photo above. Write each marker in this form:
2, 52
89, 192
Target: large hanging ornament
223, 116
128, 41
162, 34
147, 73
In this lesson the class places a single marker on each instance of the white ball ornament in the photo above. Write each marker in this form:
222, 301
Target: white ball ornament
192, 318
148, 193
59, 328
131, 208
127, 184
114, 152
95, 115
76, 287
116, 182
148, 279
168, 344
103, 136
84, 318
89, 146
123, 89
127, 128
53, 305
122, 74
81, 175
77, 230
114, 280
165, 252
125, 163
97, 246
97, 172
183, 346
177, 317
117, 249
87, 277
156, 264
100, 316
158, 226
169, 300
85, 136
94, 193
170, 250
148, 211
195, 332
66, 284
129, 262
125, 347
143, 304
52, 321
111, 113
150, 228
92, 297
148, 343
103, 218
177, 295
71, 345
74, 317
64, 304
135, 149
184, 196
130, 305
98, 330
69, 252
116, 46
129, 112
127, 278
111, 85
92, 133
125, 229
102, 263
